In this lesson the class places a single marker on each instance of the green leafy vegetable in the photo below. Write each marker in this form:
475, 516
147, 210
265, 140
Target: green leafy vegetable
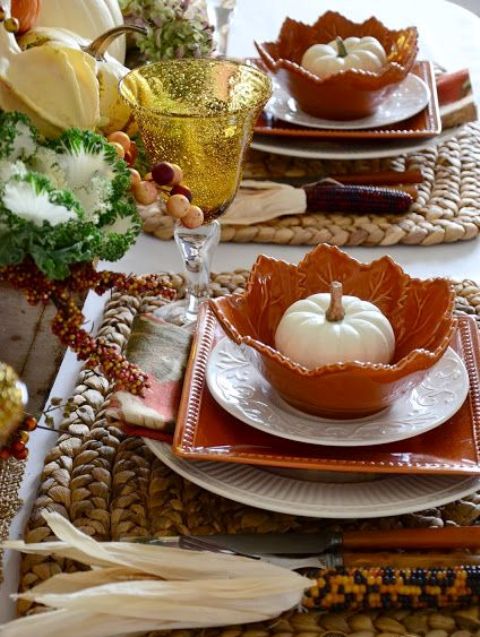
63, 202
18, 139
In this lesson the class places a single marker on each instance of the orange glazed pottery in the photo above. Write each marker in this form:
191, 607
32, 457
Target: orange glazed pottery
420, 312
350, 94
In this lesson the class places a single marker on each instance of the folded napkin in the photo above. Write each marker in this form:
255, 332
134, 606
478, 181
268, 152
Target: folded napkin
455, 97
161, 349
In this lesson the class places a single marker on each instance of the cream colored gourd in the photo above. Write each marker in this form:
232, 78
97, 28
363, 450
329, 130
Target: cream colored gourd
365, 53
327, 328
55, 86
114, 113
88, 18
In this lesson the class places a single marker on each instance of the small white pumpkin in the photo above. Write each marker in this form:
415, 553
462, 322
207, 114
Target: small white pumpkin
88, 18
328, 328
364, 53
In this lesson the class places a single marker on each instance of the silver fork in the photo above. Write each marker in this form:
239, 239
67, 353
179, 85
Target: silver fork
328, 560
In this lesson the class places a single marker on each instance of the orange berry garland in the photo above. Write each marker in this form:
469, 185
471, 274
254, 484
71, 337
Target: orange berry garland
164, 180
67, 322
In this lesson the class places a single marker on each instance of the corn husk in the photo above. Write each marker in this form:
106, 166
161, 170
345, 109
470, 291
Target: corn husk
137, 587
76, 624
160, 561
261, 201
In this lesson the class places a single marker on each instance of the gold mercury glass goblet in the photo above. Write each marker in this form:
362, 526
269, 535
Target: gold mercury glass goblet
199, 114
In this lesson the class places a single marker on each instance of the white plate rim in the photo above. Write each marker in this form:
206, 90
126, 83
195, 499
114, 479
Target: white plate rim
438, 490
211, 378
386, 148
300, 118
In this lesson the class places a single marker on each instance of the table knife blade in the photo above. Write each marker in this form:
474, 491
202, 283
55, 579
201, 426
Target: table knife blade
450, 538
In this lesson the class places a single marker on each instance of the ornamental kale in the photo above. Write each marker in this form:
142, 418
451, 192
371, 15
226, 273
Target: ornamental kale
62, 202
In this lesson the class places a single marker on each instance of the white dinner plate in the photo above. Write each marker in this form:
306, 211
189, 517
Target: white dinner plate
346, 149
392, 495
241, 390
409, 98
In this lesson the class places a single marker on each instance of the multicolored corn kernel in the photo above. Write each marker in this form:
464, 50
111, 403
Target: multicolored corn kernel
387, 588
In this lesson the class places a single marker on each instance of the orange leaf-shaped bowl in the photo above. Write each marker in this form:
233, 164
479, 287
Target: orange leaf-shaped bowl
421, 314
350, 94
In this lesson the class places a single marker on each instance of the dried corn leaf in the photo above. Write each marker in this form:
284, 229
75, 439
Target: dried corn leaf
163, 562
213, 602
261, 201
77, 624
72, 582
60, 549
205, 589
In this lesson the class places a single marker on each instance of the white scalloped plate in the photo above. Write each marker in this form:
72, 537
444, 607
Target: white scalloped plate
409, 98
392, 495
242, 391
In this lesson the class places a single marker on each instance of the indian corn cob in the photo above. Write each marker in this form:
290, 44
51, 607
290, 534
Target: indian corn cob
385, 588
331, 196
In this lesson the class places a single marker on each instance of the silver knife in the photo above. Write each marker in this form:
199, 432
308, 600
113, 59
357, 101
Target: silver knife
467, 537
332, 560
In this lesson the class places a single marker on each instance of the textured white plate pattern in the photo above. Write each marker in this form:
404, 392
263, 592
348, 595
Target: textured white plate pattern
242, 391
410, 97
393, 495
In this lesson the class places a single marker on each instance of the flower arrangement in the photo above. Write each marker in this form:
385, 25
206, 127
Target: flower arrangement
175, 29
64, 204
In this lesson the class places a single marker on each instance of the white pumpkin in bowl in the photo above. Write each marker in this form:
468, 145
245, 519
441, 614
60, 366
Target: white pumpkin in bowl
365, 54
329, 328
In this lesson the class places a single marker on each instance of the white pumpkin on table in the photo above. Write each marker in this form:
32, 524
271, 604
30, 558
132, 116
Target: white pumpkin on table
365, 54
88, 18
329, 328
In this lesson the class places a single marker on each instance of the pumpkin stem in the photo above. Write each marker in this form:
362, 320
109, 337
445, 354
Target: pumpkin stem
341, 48
98, 47
335, 311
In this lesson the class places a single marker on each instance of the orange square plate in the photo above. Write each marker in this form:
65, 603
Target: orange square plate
426, 123
205, 431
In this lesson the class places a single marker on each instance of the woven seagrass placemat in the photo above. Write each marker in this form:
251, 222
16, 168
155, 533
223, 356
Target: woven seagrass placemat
447, 208
11, 474
112, 487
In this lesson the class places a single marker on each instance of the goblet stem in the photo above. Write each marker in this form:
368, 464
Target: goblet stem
220, 15
196, 247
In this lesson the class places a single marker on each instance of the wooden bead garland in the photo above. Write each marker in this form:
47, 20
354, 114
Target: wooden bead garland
165, 181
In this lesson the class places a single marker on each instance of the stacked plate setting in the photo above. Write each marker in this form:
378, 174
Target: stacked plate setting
409, 119
237, 438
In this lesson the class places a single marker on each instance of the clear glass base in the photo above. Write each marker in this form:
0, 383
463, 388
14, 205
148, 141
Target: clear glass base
177, 313
196, 248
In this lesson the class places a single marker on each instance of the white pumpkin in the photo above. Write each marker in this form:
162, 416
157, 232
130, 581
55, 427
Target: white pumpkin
88, 18
328, 328
364, 53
